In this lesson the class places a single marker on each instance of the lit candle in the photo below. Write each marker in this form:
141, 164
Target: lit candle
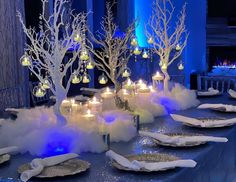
178, 47
85, 79
180, 67
140, 83
125, 74
45, 84
150, 40
84, 55
25, 61
77, 38
90, 65
129, 84
143, 89
157, 76
40, 92
108, 93
134, 42
164, 67
89, 115
94, 101
74, 107
102, 81
75, 79
137, 51
145, 55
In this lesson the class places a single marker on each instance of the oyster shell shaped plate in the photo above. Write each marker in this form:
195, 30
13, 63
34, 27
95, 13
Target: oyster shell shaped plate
67, 168
4, 158
146, 158
187, 144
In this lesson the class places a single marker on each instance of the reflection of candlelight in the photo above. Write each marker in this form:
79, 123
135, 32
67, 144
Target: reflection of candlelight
108, 93
157, 76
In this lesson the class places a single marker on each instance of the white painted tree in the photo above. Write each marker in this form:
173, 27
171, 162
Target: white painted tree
168, 41
47, 48
113, 53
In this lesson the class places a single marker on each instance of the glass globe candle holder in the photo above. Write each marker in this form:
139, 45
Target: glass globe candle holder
180, 66
90, 65
75, 78
39, 91
126, 73
102, 79
134, 41
145, 54
150, 40
137, 51
178, 47
77, 38
25, 60
46, 84
86, 78
84, 55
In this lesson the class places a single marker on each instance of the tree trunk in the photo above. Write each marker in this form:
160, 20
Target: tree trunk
60, 96
166, 81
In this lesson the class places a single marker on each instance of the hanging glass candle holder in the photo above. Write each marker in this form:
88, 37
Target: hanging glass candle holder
25, 60
178, 47
77, 38
46, 83
150, 40
102, 79
76, 78
39, 91
145, 54
86, 78
134, 41
90, 65
137, 51
180, 66
126, 73
84, 56
164, 67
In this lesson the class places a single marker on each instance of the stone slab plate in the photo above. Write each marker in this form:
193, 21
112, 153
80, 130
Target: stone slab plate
187, 144
4, 158
67, 168
146, 158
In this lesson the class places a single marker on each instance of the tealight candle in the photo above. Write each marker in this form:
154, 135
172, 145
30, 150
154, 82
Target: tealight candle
108, 93
89, 115
39, 92
178, 47
180, 67
90, 65
164, 67
85, 79
84, 56
74, 107
102, 81
125, 74
134, 42
25, 61
129, 84
137, 51
145, 55
94, 101
77, 38
140, 83
150, 40
143, 89
157, 76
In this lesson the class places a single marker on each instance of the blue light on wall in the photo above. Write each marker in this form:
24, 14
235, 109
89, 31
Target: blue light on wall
142, 14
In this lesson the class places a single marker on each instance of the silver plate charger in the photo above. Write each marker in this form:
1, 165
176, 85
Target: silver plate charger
210, 119
67, 168
147, 158
187, 144
4, 158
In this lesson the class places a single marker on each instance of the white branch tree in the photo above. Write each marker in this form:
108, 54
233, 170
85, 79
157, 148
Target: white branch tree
168, 41
48, 47
113, 53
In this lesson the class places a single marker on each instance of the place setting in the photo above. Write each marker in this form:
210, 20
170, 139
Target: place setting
206, 122
5, 153
147, 163
180, 139
224, 108
53, 167
232, 93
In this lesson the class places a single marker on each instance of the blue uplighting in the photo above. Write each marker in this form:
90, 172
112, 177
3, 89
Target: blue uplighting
110, 118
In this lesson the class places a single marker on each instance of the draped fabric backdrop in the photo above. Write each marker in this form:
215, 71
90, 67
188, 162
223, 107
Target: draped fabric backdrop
13, 77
